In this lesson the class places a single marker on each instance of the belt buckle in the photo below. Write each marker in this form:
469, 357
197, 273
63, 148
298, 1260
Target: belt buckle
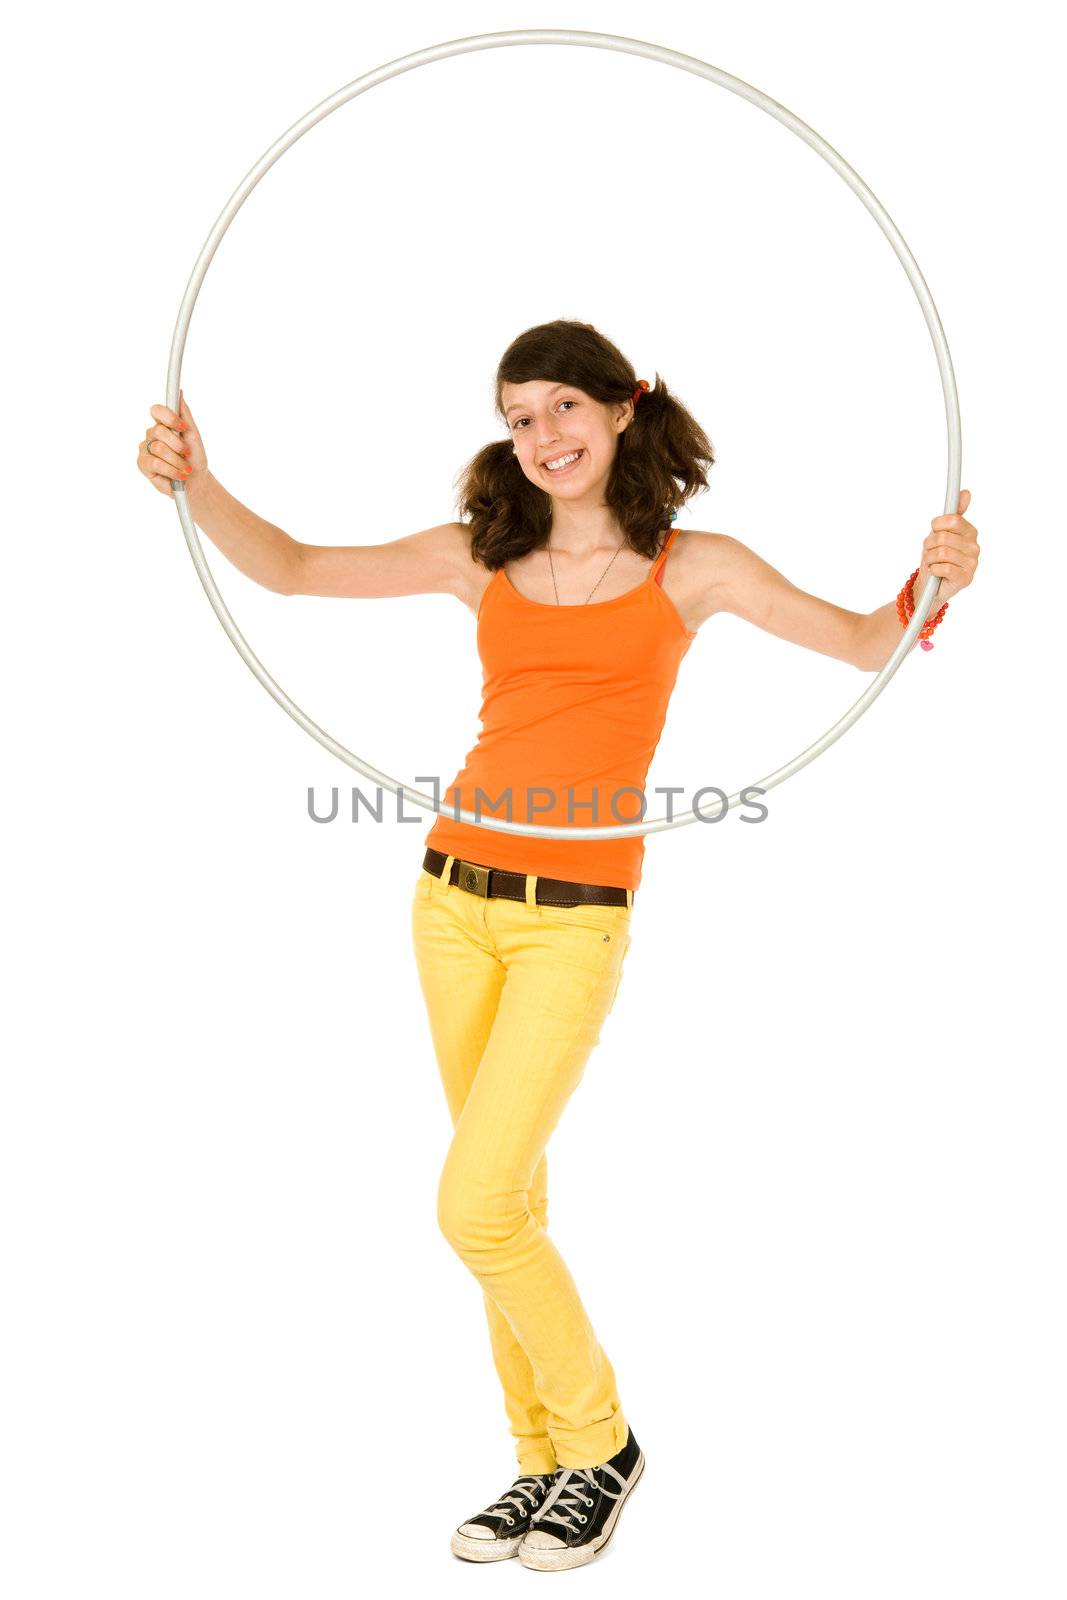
473, 878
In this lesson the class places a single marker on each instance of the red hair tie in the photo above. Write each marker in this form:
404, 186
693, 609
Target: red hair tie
642, 387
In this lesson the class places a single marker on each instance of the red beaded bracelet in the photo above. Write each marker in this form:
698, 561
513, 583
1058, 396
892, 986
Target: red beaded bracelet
906, 610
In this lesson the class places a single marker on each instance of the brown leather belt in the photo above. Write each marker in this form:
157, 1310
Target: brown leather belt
494, 882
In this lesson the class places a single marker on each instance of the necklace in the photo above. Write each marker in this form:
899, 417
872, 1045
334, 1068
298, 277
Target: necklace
596, 585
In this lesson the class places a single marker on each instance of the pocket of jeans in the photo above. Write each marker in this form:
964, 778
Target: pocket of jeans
611, 920
424, 886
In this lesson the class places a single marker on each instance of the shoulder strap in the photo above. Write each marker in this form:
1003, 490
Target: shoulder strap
657, 570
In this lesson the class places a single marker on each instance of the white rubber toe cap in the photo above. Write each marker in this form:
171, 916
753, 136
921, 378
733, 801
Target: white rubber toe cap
476, 1530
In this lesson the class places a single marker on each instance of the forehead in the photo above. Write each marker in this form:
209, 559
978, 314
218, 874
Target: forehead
517, 395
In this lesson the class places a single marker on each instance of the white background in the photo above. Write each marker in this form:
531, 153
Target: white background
811, 1185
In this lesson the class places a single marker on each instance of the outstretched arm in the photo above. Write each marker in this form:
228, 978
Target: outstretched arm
429, 562
433, 561
749, 587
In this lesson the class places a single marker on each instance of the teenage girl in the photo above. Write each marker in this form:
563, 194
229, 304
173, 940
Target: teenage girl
586, 600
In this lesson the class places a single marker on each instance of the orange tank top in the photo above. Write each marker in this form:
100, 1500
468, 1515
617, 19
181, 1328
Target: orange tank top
574, 701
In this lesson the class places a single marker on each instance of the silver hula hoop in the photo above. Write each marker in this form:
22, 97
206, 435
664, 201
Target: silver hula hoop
700, 69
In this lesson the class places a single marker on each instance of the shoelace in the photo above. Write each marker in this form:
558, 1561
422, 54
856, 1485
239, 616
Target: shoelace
515, 1500
570, 1493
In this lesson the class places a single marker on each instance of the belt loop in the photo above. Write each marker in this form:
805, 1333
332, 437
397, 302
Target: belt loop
446, 870
531, 888
629, 898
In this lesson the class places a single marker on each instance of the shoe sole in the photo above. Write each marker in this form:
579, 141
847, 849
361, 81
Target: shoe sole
577, 1556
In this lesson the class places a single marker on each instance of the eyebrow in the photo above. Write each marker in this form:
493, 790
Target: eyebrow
518, 406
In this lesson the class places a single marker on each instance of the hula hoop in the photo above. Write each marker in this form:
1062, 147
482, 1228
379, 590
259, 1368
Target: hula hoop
700, 69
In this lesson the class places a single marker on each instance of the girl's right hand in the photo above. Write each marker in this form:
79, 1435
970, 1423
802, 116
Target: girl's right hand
171, 448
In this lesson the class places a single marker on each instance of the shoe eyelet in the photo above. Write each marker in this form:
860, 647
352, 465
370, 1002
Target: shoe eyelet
511, 1522
581, 1518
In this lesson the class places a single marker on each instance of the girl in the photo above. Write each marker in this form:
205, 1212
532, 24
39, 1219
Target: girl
586, 601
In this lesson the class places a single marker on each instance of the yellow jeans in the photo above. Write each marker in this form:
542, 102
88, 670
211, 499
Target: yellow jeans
516, 993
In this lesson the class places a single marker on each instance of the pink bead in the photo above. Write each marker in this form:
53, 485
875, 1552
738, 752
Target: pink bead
926, 644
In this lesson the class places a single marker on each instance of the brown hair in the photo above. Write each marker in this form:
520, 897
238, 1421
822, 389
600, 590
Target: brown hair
660, 461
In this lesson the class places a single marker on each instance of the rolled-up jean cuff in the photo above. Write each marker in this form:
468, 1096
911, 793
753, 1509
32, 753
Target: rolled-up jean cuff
596, 1445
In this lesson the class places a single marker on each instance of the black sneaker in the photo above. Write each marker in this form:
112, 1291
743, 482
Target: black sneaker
496, 1533
579, 1515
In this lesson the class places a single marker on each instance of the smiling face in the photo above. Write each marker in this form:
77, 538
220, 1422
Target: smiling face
552, 421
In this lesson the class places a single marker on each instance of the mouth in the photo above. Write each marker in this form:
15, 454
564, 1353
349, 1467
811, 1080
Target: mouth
562, 471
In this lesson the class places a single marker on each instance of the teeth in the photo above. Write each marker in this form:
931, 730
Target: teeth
564, 461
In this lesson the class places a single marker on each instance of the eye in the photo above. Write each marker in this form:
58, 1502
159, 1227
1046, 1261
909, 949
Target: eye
526, 419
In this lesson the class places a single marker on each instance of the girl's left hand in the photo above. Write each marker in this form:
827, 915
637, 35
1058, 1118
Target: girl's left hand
950, 552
